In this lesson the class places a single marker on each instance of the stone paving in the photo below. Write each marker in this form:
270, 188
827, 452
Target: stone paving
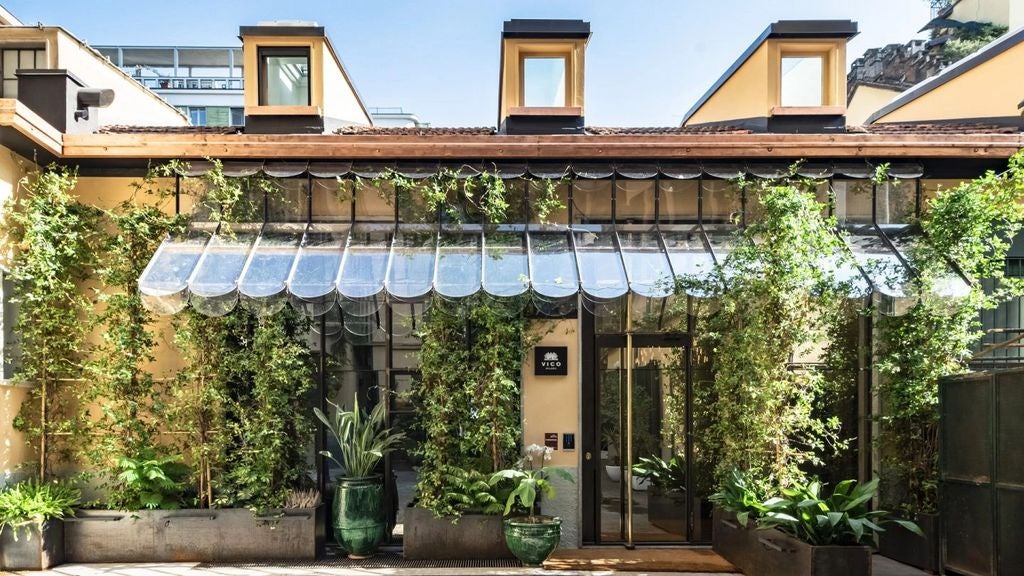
882, 567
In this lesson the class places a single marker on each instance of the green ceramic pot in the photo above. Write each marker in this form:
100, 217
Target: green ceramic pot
358, 514
533, 542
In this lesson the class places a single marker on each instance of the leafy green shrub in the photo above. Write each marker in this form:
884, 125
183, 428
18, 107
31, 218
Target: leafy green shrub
530, 483
362, 437
469, 492
844, 518
31, 503
149, 481
741, 495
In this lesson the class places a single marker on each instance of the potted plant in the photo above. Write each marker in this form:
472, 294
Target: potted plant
360, 523
533, 537
800, 532
31, 527
667, 493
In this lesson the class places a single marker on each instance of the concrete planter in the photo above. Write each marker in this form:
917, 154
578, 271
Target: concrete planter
38, 547
226, 535
904, 546
473, 537
774, 553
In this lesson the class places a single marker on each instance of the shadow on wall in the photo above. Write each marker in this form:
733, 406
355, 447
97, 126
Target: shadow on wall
13, 450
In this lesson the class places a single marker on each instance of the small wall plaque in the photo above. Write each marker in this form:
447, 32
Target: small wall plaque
551, 440
551, 361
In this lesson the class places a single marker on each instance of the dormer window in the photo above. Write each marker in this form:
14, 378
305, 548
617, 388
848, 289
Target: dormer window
284, 76
544, 81
802, 80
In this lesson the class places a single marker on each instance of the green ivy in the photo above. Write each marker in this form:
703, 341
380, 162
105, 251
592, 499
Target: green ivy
53, 236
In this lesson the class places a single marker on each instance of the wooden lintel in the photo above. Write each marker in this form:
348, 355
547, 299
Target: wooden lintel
298, 146
19, 117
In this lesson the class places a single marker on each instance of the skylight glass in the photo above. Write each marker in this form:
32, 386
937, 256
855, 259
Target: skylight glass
802, 80
544, 81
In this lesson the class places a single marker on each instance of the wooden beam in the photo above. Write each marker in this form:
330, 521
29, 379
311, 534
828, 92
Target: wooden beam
655, 146
19, 117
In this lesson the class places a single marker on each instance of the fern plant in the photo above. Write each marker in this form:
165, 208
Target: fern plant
31, 503
150, 481
469, 492
362, 438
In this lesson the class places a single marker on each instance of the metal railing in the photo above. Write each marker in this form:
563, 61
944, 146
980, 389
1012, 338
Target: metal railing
191, 83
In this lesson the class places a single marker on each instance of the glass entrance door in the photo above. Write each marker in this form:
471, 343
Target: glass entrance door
642, 473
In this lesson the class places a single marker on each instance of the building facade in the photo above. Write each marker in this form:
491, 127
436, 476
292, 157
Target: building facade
637, 205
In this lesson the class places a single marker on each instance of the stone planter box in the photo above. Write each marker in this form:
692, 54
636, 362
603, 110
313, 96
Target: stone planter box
774, 553
473, 537
904, 546
224, 535
40, 550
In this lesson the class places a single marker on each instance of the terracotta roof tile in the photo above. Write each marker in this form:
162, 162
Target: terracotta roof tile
656, 130
171, 130
935, 128
414, 131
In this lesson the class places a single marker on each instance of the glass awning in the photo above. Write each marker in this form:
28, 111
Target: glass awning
356, 269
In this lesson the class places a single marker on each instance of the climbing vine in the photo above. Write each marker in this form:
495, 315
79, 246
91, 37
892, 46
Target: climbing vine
468, 398
971, 225
771, 294
52, 236
126, 396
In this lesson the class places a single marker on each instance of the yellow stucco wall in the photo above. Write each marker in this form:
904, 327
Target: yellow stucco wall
551, 403
991, 90
866, 101
744, 94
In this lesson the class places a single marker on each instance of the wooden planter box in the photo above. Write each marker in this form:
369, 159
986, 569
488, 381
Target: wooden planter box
473, 537
224, 535
904, 546
40, 550
774, 553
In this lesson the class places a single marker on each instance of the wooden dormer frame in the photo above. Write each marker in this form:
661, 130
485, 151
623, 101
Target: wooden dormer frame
833, 75
251, 48
516, 50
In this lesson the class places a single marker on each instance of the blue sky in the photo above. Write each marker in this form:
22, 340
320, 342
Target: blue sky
647, 62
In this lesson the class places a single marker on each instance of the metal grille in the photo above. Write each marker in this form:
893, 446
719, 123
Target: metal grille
380, 561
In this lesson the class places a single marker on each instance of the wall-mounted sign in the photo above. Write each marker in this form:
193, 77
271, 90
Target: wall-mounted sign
551, 440
551, 361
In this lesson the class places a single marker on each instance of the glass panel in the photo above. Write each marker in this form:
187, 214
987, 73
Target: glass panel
10, 65
163, 284
688, 255
458, 265
287, 80
722, 201
557, 216
592, 201
506, 268
931, 188
647, 266
288, 203
316, 267
27, 60
214, 283
411, 267
802, 80
946, 283
879, 262
553, 272
634, 201
601, 270
895, 202
375, 204
722, 240
853, 201
544, 81
332, 200
677, 202
365, 263
611, 384
659, 509
271, 261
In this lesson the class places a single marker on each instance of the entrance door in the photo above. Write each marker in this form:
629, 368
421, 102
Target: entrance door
659, 435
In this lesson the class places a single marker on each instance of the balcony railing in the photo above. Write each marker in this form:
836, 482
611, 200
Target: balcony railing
191, 83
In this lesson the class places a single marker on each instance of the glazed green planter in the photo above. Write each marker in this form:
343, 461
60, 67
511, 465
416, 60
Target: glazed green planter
359, 522
533, 542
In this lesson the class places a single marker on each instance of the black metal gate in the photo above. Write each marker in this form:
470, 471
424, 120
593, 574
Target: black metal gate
982, 472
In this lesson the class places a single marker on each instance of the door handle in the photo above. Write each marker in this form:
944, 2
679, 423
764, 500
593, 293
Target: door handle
587, 455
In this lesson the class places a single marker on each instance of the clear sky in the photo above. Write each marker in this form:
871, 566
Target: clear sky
647, 62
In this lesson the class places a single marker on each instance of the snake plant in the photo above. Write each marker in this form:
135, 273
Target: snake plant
362, 437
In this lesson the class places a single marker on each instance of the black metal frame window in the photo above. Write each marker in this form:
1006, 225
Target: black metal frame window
14, 59
294, 64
